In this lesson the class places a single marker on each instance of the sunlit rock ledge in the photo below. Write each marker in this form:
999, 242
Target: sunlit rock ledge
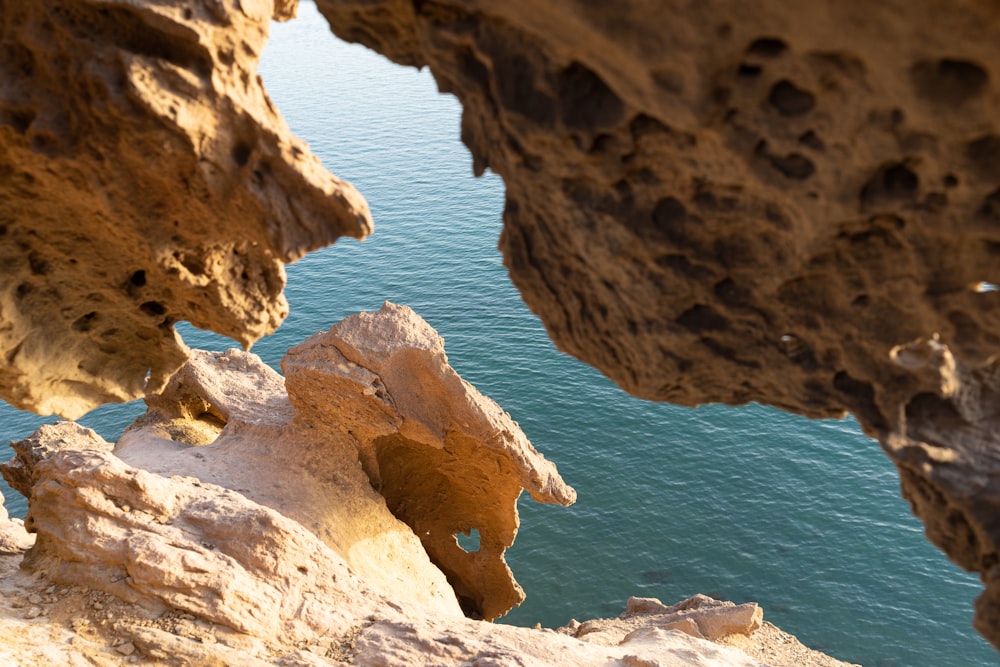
249, 514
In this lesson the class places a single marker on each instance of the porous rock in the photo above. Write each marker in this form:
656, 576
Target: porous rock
726, 203
388, 497
181, 193
447, 459
714, 203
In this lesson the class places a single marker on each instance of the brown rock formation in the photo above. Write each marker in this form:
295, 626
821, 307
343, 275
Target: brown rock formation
145, 178
725, 203
713, 202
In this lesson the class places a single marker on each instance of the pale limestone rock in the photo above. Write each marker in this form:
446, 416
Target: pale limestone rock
648, 621
13, 537
226, 419
19, 472
447, 459
251, 442
714, 619
430, 642
145, 178
191, 546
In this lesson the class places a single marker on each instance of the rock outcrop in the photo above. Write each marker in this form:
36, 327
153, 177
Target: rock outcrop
145, 178
310, 520
710, 203
378, 448
719, 203
61, 625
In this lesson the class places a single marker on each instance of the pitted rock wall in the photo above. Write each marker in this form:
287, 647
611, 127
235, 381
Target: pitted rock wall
733, 202
145, 178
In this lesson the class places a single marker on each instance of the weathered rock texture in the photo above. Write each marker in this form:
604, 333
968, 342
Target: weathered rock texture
705, 618
249, 520
724, 202
57, 624
145, 178
447, 459
381, 451
713, 202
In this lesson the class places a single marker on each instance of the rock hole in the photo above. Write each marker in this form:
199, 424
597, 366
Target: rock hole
669, 212
984, 154
153, 308
768, 47
794, 165
20, 119
39, 266
468, 540
586, 101
85, 323
894, 181
212, 418
241, 153
991, 205
950, 180
790, 100
138, 279
812, 140
516, 85
948, 81
749, 70
302, 569
700, 318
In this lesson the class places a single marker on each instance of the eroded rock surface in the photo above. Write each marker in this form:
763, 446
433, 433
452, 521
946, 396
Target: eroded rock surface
55, 624
720, 203
386, 496
242, 522
713, 203
447, 459
145, 178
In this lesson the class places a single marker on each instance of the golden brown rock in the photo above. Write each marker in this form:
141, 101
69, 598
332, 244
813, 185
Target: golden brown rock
728, 203
145, 178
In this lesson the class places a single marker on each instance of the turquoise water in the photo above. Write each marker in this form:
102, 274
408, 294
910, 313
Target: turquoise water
744, 504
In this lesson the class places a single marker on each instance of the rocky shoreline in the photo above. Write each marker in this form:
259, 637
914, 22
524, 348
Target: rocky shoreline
312, 519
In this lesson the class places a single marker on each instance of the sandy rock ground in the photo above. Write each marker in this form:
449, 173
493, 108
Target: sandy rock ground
74, 626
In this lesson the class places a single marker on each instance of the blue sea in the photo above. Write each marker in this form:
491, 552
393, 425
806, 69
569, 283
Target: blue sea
746, 503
